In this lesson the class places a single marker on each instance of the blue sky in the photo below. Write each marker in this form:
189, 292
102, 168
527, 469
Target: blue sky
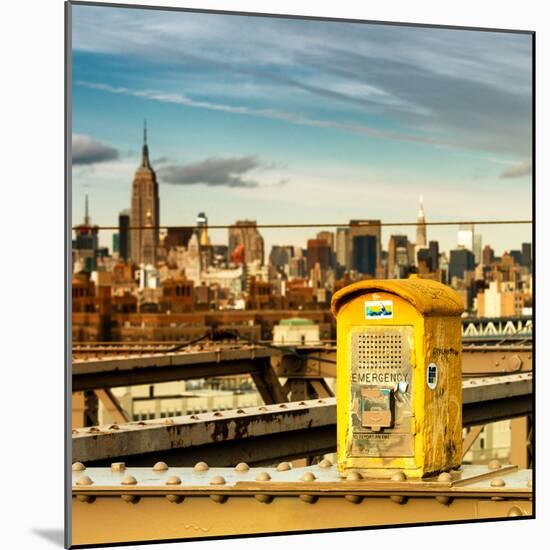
284, 121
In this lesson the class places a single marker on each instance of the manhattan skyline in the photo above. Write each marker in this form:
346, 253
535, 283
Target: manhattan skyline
293, 121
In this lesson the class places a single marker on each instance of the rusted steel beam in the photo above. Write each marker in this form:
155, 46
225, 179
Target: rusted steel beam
309, 426
148, 369
263, 434
163, 502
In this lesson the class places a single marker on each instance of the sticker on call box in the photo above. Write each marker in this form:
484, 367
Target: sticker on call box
379, 309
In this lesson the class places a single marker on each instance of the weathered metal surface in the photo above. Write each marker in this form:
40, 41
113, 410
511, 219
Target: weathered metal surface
312, 421
184, 503
269, 433
89, 374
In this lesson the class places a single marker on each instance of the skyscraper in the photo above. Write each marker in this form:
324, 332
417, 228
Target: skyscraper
421, 239
246, 233
398, 256
466, 235
124, 235
526, 254
363, 228
342, 246
144, 236
365, 254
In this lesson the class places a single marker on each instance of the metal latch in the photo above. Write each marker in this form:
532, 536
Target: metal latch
376, 408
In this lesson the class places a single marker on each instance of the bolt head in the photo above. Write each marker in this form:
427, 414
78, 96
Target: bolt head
399, 499
354, 476
308, 476
399, 476
284, 466
444, 477
173, 480
498, 482
174, 498
494, 465
355, 499
263, 476
217, 480
84, 480
325, 463
515, 511
78, 467
220, 499
129, 480
118, 466
201, 467
264, 499
310, 499
242, 467
160, 467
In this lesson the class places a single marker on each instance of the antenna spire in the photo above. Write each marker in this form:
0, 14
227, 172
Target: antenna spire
145, 150
86, 212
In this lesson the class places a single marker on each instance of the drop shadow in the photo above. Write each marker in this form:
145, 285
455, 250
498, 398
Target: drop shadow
55, 536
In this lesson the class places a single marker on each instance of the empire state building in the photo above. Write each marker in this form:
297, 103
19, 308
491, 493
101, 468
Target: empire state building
144, 217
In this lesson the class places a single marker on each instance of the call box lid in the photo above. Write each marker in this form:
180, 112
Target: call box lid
427, 296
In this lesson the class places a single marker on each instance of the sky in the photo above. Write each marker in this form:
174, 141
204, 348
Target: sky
299, 121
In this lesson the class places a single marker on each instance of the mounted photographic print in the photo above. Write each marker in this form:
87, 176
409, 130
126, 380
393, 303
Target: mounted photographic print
300, 281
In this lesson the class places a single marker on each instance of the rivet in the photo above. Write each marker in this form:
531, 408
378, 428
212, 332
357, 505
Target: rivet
173, 480
78, 467
218, 414
498, 482
242, 467
217, 480
160, 467
320, 401
220, 499
310, 499
129, 480
325, 463
398, 476
169, 421
194, 417
284, 466
174, 498
85, 498
355, 499
354, 476
240, 411
201, 467
84, 480
114, 427
399, 499
308, 476
444, 477
265, 499
443, 499
262, 408
118, 466
283, 406
302, 403
130, 498
93, 429
515, 511
263, 476
494, 465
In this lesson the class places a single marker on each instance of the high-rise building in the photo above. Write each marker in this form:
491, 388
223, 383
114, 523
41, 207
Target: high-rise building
327, 236
434, 254
487, 255
466, 235
144, 235
202, 229
342, 244
280, 256
461, 260
318, 252
364, 228
477, 248
398, 256
516, 254
86, 243
124, 234
245, 233
365, 254
526, 255
421, 239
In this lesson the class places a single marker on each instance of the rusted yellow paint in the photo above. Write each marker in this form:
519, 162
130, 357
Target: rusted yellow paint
433, 311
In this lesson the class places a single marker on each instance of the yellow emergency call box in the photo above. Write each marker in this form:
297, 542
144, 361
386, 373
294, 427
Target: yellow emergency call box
399, 385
